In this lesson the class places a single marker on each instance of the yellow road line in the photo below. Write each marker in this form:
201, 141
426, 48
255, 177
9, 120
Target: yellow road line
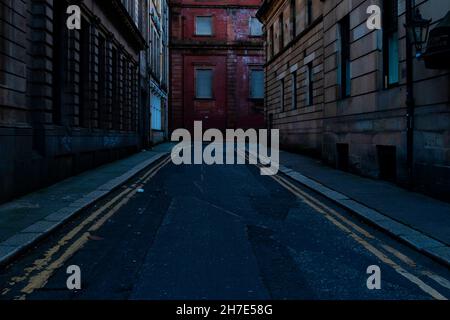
321, 206
40, 279
399, 255
48, 256
438, 279
325, 210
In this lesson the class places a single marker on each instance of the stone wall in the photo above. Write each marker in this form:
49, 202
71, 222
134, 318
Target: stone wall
365, 131
56, 117
298, 118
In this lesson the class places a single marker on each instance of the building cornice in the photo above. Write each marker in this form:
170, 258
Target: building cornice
118, 13
264, 8
216, 45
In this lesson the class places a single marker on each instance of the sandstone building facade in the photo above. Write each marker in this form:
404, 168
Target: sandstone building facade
69, 99
349, 101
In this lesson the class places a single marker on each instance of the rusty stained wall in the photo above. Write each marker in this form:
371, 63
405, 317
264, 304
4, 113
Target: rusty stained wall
231, 52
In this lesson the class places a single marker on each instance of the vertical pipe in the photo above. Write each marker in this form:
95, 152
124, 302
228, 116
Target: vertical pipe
410, 103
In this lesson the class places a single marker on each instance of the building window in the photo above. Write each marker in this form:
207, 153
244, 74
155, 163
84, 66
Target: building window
271, 42
390, 43
257, 84
115, 90
102, 112
309, 85
59, 60
204, 83
294, 90
84, 74
282, 94
203, 26
280, 33
124, 95
293, 18
255, 27
344, 58
309, 12
155, 102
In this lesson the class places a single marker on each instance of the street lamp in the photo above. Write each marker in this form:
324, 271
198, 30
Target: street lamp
418, 29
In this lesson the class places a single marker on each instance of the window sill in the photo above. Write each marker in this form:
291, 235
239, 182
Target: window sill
392, 86
204, 99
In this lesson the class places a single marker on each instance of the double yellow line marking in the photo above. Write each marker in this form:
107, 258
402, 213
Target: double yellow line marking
363, 237
345, 225
42, 269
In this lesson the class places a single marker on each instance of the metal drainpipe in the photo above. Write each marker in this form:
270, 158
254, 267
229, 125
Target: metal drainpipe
410, 102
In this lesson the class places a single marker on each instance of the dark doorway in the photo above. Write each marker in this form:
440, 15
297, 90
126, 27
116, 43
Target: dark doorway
342, 161
387, 161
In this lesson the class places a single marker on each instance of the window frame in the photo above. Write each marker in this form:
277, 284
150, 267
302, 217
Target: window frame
256, 69
251, 29
85, 60
345, 81
294, 90
205, 68
309, 85
309, 12
293, 20
281, 32
272, 41
390, 32
197, 34
102, 116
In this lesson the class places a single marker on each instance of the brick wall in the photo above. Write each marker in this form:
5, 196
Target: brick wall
230, 52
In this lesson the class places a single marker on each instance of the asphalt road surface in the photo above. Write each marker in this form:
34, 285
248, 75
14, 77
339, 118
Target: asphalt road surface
219, 232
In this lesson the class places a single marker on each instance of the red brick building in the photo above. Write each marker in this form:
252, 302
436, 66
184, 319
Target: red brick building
217, 62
